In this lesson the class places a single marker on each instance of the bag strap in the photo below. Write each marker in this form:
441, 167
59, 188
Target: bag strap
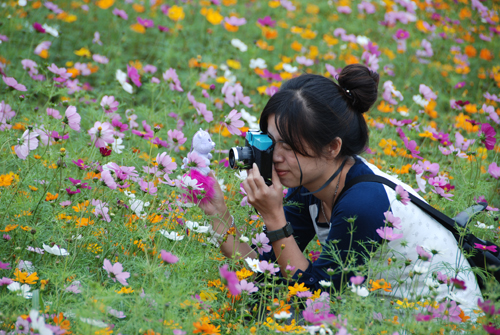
443, 219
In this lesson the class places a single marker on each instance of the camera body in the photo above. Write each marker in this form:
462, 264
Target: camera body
258, 149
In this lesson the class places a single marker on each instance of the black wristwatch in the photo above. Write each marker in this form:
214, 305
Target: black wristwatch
275, 235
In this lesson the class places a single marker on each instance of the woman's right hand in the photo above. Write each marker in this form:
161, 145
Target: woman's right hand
216, 205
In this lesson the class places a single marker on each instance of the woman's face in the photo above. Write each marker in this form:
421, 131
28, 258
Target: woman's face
285, 162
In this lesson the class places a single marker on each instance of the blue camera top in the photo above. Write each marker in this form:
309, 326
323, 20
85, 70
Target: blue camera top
258, 140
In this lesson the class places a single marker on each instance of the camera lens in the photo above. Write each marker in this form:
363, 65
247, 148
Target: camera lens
240, 157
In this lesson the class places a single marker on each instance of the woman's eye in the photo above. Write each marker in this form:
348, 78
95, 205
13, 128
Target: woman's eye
286, 146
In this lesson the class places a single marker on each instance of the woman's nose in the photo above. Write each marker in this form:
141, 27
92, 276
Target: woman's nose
277, 155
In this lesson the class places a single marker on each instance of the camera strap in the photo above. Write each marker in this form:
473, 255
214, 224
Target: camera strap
322, 187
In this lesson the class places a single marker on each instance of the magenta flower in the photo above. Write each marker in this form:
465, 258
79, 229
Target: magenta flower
148, 186
318, 311
487, 136
109, 104
148, 132
101, 134
81, 164
147, 23
5, 281
10, 81
402, 195
115, 272
231, 279
267, 21
120, 13
401, 34
247, 286
4, 266
387, 233
233, 122
262, 243
176, 139
494, 170
133, 74
488, 307
439, 191
391, 220
26, 143
423, 317
38, 27
168, 257
492, 248
72, 118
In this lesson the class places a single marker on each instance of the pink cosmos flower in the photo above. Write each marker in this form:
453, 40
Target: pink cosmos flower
148, 186
402, 195
231, 279
427, 92
26, 143
494, 170
108, 179
176, 139
303, 60
146, 23
344, 9
367, 7
168, 257
60, 71
194, 160
10, 81
115, 272
447, 310
387, 233
391, 220
148, 132
201, 108
54, 113
6, 113
266, 267
439, 191
262, 243
97, 38
42, 46
423, 254
101, 134
401, 34
247, 286
235, 21
487, 136
165, 163
357, 280
109, 104
120, 13
170, 76
81, 164
101, 210
100, 59
233, 122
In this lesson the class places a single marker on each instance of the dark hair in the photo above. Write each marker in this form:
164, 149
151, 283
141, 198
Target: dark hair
315, 110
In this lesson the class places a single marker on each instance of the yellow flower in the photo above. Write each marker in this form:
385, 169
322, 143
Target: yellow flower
125, 290
138, 8
84, 52
296, 289
330, 40
6, 180
214, 17
23, 277
176, 13
273, 4
51, 196
243, 273
105, 4
138, 28
312, 9
233, 63
9, 227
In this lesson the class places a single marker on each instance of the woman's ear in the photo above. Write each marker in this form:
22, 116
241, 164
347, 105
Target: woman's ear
334, 147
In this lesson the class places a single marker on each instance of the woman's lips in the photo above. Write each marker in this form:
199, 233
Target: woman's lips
281, 173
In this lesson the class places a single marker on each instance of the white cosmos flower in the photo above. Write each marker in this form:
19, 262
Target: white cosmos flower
93, 322
282, 315
122, 79
289, 68
24, 289
321, 330
172, 235
484, 226
241, 174
38, 323
51, 30
136, 205
421, 269
360, 290
56, 250
221, 184
362, 40
117, 145
253, 264
258, 63
189, 183
244, 239
431, 282
250, 119
325, 283
196, 227
419, 100
22, 3
239, 44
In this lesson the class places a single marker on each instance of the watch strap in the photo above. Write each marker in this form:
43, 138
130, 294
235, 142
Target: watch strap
278, 234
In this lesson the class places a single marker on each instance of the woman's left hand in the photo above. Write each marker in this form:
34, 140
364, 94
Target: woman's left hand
267, 200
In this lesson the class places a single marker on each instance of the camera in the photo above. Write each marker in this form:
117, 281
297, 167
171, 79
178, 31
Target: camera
258, 149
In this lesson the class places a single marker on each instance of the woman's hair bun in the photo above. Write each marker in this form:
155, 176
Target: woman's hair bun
359, 84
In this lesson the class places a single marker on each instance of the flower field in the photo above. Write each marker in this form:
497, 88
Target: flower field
99, 103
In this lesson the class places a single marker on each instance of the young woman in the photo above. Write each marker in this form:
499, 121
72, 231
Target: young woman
318, 130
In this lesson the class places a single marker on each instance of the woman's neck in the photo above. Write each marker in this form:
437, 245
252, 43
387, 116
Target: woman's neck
330, 192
